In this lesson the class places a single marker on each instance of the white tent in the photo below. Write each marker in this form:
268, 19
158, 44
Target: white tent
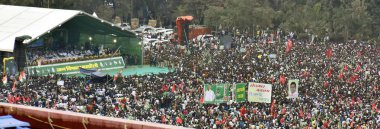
18, 21
94, 14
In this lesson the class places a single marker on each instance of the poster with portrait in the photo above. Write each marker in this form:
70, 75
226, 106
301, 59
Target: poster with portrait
293, 88
217, 93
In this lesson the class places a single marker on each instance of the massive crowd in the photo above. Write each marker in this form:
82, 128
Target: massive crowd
339, 84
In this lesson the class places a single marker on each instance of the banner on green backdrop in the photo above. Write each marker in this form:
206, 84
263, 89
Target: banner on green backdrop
73, 67
218, 93
240, 92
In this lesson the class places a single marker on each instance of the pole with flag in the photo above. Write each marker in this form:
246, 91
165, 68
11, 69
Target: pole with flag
289, 46
14, 86
22, 76
329, 53
5, 80
272, 106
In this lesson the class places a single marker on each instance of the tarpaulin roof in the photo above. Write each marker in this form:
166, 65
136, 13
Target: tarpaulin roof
16, 21
8, 122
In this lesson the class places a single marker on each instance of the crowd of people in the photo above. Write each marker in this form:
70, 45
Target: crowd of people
338, 86
41, 56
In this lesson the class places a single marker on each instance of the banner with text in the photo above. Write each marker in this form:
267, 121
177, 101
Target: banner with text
240, 92
73, 67
217, 93
259, 92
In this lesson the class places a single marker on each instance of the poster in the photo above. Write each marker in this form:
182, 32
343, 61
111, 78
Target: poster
152, 23
293, 88
240, 92
259, 92
217, 93
134, 23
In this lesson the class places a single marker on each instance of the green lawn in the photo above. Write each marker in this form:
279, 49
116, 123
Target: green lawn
135, 70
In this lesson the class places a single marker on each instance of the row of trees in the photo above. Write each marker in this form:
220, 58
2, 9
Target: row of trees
340, 19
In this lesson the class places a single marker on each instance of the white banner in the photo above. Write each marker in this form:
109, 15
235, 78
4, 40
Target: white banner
259, 92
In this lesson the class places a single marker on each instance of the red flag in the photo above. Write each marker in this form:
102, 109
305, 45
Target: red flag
18, 98
345, 68
302, 115
326, 124
165, 88
202, 100
116, 107
173, 88
283, 111
14, 86
329, 53
180, 86
341, 76
13, 99
352, 100
10, 98
358, 68
282, 79
326, 84
309, 115
242, 111
374, 106
289, 46
272, 107
22, 77
353, 78
178, 120
163, 119
218, 122
329, 73
115, 77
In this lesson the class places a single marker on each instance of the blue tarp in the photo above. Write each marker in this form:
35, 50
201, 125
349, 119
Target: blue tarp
86, 71
10, 122
91, 72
